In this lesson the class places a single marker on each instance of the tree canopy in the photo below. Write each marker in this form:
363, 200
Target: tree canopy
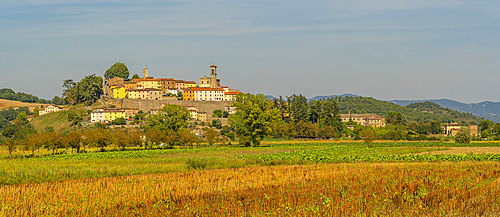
254, 119
170, 118
117, 70
87, 90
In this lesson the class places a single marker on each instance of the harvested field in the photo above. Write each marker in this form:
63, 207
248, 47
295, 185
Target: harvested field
5, 104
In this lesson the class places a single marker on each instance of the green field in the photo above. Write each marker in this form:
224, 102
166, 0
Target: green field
138, 162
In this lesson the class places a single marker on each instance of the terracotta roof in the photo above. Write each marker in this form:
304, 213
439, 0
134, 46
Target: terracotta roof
213, 66
145, 79
170, 79
190, 82
231, 93
206, 89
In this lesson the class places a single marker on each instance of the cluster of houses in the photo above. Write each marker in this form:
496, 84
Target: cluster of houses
379, 121
106, 115
208, 89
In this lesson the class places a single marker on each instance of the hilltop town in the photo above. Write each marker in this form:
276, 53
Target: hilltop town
150, 94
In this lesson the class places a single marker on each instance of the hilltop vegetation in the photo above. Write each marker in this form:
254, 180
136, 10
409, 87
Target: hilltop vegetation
418, 112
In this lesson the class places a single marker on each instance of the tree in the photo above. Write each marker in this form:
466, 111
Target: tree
120, 138
87, 90
119, 121
186, 137
212, 136
135, 76
217, 113
21, 120
135, 137
74, 139
485, 124
180, 96
155, 136
463, 135
254, 119
485, 133
98, 137
368, 136
74, 118
170, 117
11, 145
3, 123
117, 70
217, 123
68, 85
36, 111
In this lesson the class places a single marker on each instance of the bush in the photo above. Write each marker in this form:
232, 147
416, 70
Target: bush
463, 136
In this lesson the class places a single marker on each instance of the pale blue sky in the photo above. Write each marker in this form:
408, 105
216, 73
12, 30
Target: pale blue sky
387, 49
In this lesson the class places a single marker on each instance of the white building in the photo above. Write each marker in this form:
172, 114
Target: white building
97, 116
208, 94
49, 109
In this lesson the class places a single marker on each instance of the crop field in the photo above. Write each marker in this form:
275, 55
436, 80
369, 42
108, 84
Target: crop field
290, 178
401, 189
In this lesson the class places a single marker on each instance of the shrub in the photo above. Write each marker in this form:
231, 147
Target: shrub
463, 136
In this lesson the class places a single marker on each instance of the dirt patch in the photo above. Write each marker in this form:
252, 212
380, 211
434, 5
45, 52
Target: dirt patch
466, 150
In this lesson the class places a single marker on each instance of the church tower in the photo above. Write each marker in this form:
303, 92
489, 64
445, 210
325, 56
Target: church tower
145, 72
213, 76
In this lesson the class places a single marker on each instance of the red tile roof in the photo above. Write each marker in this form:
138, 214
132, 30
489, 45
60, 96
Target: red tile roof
232, 93
213, 66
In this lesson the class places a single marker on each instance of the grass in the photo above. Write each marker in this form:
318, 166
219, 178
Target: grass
123, 163
57, 120
421, 189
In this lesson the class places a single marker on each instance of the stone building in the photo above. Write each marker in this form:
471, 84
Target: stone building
364, 119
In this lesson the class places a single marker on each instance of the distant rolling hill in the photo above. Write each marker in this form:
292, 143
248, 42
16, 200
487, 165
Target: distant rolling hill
317, 97
487, 109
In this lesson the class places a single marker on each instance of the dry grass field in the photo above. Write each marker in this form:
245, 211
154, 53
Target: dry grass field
5, 104
376, 189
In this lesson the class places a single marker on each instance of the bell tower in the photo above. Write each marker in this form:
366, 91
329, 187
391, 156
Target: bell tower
145, 72
213, 76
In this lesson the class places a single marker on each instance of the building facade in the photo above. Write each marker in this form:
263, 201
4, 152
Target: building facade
364, 119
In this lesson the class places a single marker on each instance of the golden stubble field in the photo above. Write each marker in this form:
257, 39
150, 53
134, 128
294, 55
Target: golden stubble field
5, 104
363, 189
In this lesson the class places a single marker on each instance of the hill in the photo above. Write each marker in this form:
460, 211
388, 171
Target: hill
57, 120
487, 109
332, 96
5, 104
416, 112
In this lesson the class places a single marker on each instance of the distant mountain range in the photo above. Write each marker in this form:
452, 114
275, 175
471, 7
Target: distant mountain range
489, 110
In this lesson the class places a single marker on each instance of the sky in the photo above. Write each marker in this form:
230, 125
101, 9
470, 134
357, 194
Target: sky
386, 49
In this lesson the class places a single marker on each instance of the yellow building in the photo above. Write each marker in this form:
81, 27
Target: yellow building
111, 114
188, 94
130, 85
149, 83
190, 84
118, 92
